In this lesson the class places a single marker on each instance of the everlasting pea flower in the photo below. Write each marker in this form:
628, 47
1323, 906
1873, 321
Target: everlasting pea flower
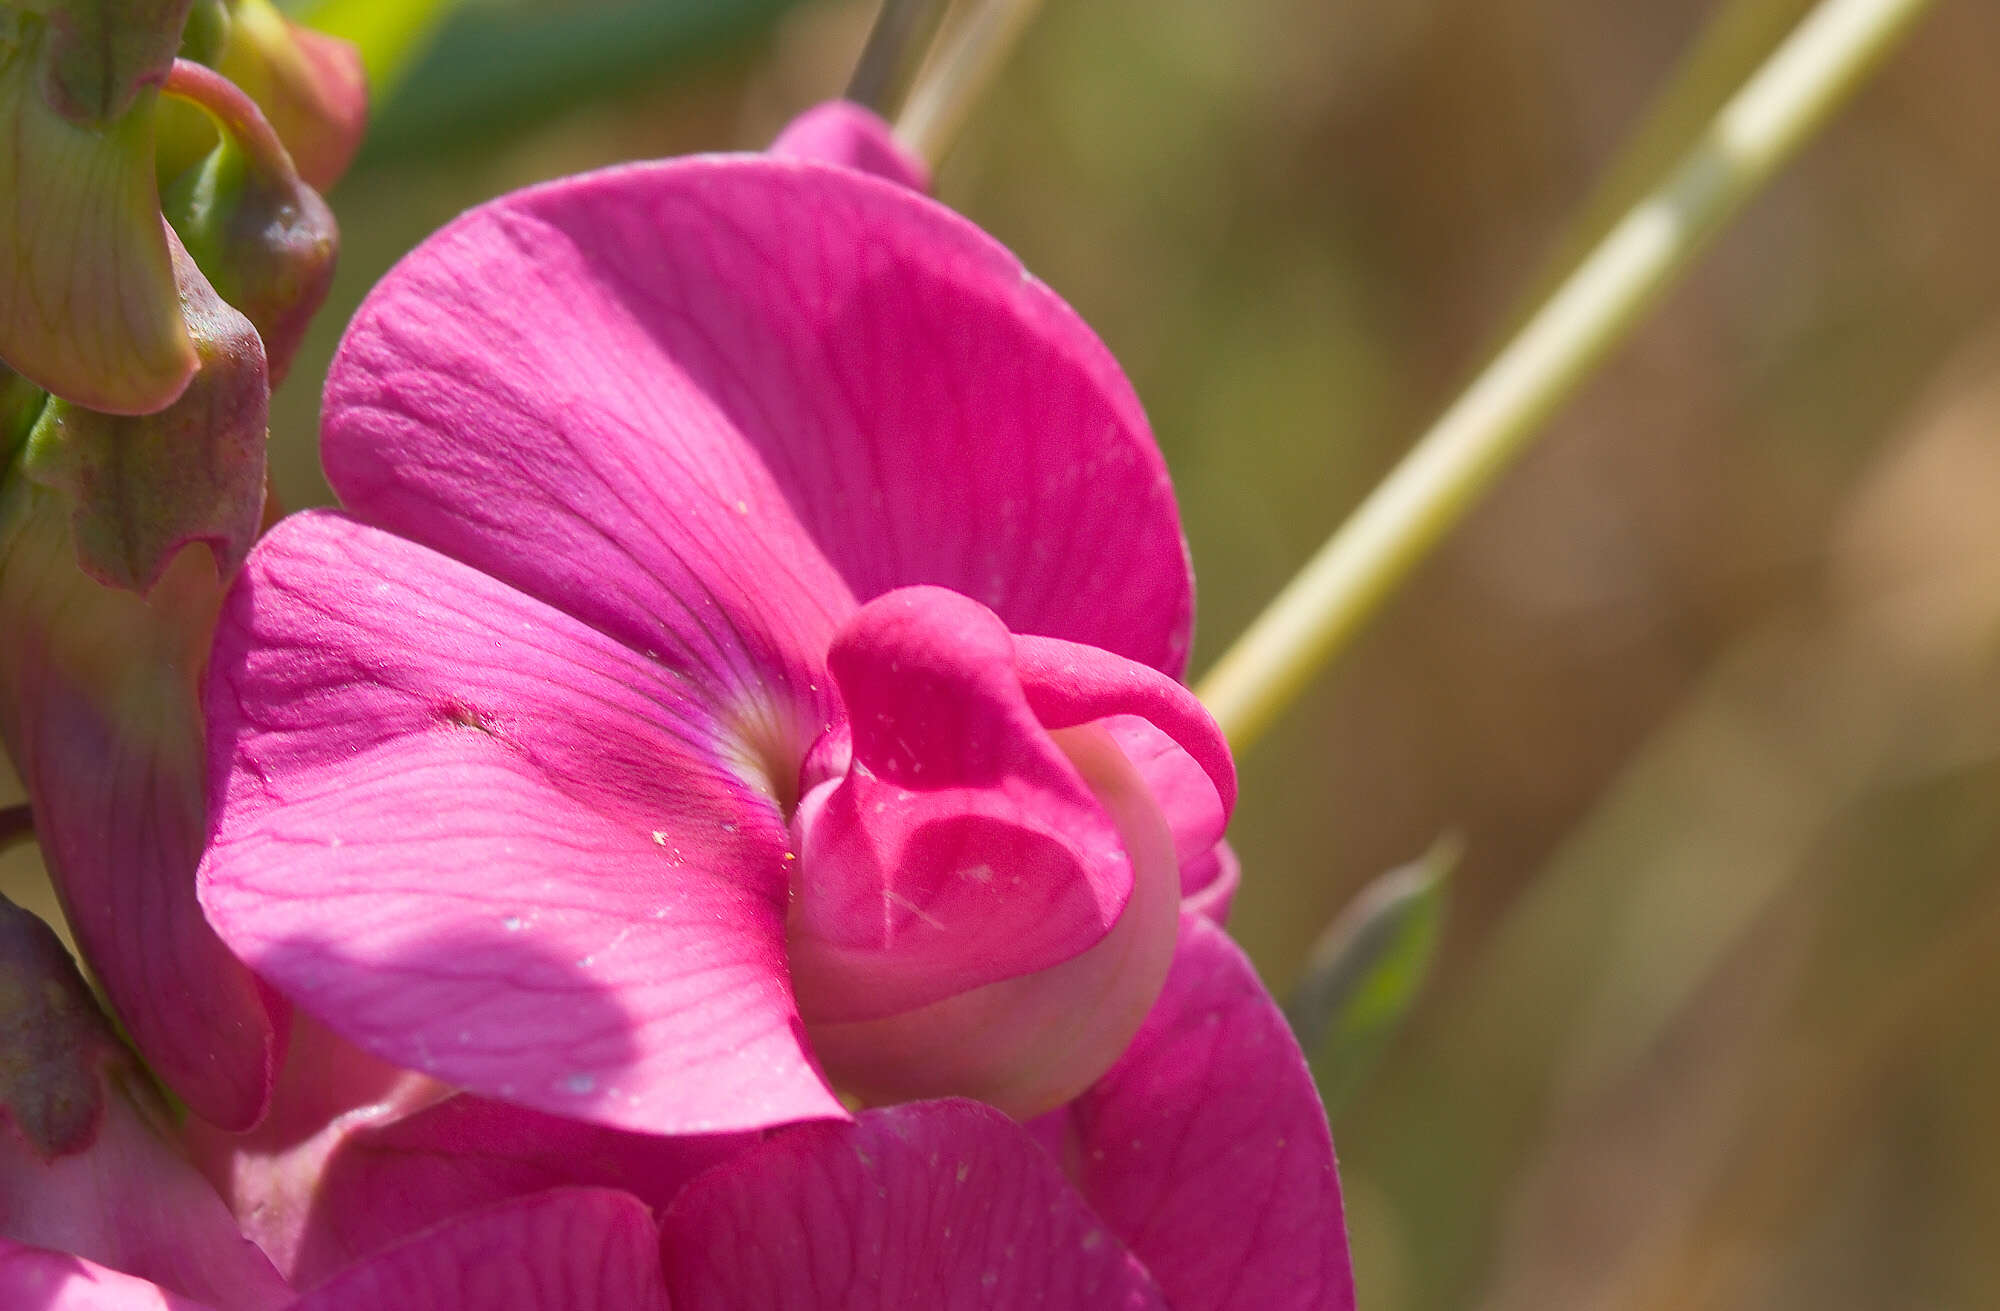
308, 84
741, 688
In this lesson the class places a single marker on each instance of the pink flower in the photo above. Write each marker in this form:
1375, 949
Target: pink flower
744, 676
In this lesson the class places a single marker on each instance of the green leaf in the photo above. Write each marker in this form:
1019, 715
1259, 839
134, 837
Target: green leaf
1367, 969
390, 34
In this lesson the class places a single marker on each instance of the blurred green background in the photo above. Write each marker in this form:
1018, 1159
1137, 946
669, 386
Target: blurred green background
1710, 687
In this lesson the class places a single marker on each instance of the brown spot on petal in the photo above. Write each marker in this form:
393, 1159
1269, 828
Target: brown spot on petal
54, 1043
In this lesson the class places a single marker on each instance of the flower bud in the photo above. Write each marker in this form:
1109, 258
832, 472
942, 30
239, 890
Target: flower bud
89, 307
983, 907
142, 486
265, 240
308, 84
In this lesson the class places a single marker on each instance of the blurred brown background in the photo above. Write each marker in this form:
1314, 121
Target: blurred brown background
1711, 686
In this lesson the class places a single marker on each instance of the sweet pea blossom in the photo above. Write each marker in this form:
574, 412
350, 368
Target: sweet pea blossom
737, 709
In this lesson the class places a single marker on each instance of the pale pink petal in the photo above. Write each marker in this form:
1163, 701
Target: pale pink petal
1206, 1147
132, 1202
1032, 1042
100, 713
842, 132
571, 1249
485, 842
959, 847
1208, 886
35, 1279
328, 1093
705, 404
947, 1206
1185, 793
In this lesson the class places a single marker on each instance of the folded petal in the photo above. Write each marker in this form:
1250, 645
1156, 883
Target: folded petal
572, 1249
37, 1279
1032, 1042
853, 136
99, 713
704, 404
485, 842
945, 1205
1208, 886
1159, 725
959, 847
1206, 1147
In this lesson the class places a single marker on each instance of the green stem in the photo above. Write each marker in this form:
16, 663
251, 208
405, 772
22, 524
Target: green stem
959, 75
1826, 57
235, 115
895, 51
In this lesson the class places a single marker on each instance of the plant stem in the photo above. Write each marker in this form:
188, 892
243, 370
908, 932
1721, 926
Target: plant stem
944, 96
235, 114
894, 52
1826, 57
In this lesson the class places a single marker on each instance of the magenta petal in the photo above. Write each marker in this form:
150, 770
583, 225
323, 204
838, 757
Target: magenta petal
131, 1202
853, 136
939, 1205
1069, 683
701, 404
485, 842
1208, 886
1032, 1042
961, 847
464, 1153
1206, 1147
35, 1279
328, 1093
571, 1249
